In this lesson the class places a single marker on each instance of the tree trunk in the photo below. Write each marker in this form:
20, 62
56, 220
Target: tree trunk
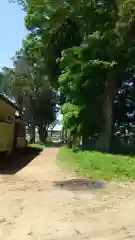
70, 140
62, 134
85, 140
51, 133
45, 133
105, 138
75, 144
42, 133
20, 103
32, 134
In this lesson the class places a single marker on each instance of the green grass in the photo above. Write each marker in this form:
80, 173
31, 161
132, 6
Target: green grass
96, 165
37, 145
40, 145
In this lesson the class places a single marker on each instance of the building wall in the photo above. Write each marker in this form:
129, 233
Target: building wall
7, 124
21, 133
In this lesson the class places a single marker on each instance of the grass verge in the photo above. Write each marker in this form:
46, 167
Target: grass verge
37, 145
96, 165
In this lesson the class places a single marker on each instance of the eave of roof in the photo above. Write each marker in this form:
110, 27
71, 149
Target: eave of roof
9, 102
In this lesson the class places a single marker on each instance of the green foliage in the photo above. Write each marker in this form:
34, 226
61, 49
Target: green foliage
96, 165
31, 89
71, 115
124, 110
82, 82
84, 48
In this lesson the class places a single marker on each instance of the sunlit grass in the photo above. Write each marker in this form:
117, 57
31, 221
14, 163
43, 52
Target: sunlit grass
38, 145
96, 165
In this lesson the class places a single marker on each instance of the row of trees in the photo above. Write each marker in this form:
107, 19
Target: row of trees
86, 50
28, 86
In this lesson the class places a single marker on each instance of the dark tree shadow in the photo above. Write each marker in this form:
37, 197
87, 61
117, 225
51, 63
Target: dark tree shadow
17, 161
117, 148
54, 144
79, 184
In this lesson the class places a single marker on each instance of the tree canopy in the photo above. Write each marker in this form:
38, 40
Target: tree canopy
85, 49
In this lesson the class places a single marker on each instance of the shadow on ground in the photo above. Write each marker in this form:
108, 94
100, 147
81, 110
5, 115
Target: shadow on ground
13, 164
79, 184
54, 144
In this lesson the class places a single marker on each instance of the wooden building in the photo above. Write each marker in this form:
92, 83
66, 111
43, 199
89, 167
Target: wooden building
9, 126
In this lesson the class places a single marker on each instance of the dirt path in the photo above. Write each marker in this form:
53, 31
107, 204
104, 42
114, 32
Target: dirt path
40, 202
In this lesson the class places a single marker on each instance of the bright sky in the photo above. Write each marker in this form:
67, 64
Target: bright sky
12, 31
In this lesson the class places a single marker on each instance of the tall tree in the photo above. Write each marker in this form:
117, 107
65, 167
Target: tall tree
114, 22
30, 88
